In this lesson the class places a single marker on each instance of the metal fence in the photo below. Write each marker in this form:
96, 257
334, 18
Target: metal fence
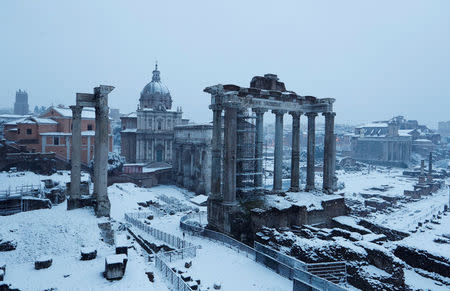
214, 235
285, 259
183, 250
174, 279
179, 254
323, 276
24, 190
170, 239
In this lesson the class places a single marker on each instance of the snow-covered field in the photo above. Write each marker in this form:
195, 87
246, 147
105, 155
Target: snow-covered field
61, 234
361, 182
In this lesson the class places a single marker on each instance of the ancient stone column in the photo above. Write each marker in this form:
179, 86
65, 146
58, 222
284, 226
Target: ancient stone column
278, 151
333, 176
96, 152
230, 142
75, 176
259, 146
216, 152
295, 159
102, 111
328, 156
310, 150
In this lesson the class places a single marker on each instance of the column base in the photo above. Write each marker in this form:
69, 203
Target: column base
103, 207
309, 188
294, 189
277, 191
75, 203
220, 215
327, 191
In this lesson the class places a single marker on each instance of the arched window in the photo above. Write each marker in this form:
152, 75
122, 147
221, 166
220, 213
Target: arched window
159, 125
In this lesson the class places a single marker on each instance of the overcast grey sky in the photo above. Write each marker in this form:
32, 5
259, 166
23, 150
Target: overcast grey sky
377, 58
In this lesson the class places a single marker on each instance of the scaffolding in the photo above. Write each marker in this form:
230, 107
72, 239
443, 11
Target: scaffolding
246, 170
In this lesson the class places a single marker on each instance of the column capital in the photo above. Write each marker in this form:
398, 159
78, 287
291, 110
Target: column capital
259, 110
279, 112
295, 114
103, 89
311, 114
216, 107
329, 114
76, 110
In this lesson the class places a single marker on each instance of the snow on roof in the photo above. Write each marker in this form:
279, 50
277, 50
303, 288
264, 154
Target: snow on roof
83, 133
133, 165
129, 130
194, 125
167, 110
374, 124
12, 116
31, 120
14, 122
130, 115
56, 133
151, 170
87, 113
44, 120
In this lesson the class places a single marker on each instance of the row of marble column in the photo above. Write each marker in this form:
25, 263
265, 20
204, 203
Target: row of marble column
329, 151
229, 155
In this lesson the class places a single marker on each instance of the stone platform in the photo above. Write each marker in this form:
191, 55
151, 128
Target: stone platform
275, 210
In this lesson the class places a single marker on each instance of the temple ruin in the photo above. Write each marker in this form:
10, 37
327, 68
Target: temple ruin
242, 154
98, 100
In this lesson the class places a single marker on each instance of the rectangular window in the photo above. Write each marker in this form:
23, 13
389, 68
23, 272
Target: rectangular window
56, 140
29, 131
89, 126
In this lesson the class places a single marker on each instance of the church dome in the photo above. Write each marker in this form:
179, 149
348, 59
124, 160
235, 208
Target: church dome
155, 94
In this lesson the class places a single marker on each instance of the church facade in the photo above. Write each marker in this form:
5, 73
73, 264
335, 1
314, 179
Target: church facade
148, 135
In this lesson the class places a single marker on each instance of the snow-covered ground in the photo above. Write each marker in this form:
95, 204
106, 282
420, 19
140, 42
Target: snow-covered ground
406, 215
61, 234
214, 262
361, 182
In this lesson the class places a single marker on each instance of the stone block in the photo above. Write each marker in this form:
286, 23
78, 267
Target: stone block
88, 254
2, 272
43, 263
185, 278
6, 246
115, 266
151, 276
